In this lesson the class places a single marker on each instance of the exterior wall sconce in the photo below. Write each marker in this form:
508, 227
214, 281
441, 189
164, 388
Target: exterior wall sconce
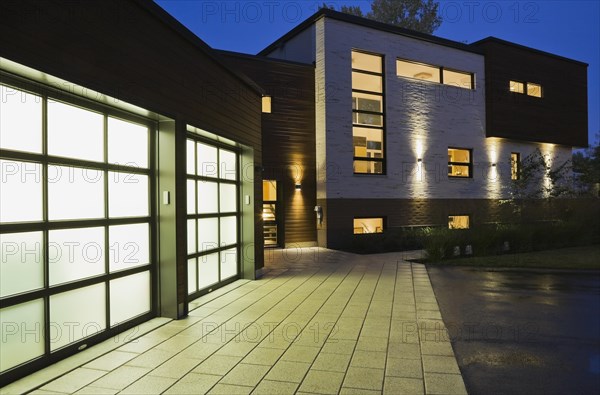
419, 160
493, 165
298, 186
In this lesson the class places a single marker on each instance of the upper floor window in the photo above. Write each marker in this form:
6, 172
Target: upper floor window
460, 162
515, 164
368, 113
530, 88
427, 72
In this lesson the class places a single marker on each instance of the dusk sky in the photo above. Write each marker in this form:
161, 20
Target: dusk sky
567, 28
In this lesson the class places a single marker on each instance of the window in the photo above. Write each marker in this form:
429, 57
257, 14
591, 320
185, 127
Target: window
517, 87
368, 225
515, 166
367, 113
460, 162
534, 90
426, 72
458, 222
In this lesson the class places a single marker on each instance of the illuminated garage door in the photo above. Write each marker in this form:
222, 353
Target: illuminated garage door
213, 215
75, 225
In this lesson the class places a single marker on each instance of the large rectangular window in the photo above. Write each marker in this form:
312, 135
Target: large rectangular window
368, 129
76, 222
431, 73
530, 88
515, 166
213, 214
459, 222
368, 225
460, 163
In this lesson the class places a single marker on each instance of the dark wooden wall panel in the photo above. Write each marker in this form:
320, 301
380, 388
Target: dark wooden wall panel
559, 117
288, 138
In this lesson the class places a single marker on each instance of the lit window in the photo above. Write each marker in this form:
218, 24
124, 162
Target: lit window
368, 225
367, 113
515, 164
266, 104
516, 87
458, 78
418, 71
458, 222
460, 162
534, 90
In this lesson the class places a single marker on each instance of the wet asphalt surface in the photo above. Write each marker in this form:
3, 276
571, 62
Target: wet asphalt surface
522, 332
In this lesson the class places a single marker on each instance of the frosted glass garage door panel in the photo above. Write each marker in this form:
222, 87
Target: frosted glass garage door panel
20, 120
75, 193
208, 270
191, 236
228, 230
129, 297
207, 160
19, 346
74, 132
75, 254
228, 198
208, 234
192, 276
20, 191
227, 165
129, 246
208, 201
77, 314
229, 263
21, 262
191, 157
127, 143
191, 197
127, 195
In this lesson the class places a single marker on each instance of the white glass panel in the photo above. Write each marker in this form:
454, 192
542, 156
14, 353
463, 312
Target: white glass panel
191, 236
208, 270
418, 71
21, 265
20, 120
228, 230
20, 191
191, 197
228, 197
459, 79
74, 132
129, 297
363, 61
129, 246
77, 314
127, 195
208, 232
227, 165
228, 263
366, 82
75, 192
127, 143
191, 157
191, 276
207, 197
22, 333
74, 254
207, 160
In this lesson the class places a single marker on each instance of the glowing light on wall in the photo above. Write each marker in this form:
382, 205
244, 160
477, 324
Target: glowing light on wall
493, 174
548, 152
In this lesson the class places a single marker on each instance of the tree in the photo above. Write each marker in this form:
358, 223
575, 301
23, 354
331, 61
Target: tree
419, 15
586, 166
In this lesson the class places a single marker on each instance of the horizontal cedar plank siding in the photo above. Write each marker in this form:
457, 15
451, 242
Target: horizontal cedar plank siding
120, 49
288, 139
559, 117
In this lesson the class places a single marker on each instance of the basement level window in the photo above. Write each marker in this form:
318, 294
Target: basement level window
458, 221
515, 165
368, 225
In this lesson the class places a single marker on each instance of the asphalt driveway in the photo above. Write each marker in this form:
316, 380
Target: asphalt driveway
522, 332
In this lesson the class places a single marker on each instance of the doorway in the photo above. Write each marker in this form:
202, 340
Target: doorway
269, 213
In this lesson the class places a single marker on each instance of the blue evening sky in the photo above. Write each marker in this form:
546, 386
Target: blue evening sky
562, 27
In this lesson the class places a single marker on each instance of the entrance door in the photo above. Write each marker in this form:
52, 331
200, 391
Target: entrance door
270, 213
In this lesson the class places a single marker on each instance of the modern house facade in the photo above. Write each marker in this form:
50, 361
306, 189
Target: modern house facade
140, 165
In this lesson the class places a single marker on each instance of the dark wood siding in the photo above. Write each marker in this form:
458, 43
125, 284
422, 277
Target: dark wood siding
559, 117
288, 139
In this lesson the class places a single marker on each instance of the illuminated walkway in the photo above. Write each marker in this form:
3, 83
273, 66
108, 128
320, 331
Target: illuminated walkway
319, 321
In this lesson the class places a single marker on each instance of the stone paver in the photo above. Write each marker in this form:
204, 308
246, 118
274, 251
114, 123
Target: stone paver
321, 322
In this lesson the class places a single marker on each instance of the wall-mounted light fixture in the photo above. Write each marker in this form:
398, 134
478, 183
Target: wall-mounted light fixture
419, 160
493, 165
298, 186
